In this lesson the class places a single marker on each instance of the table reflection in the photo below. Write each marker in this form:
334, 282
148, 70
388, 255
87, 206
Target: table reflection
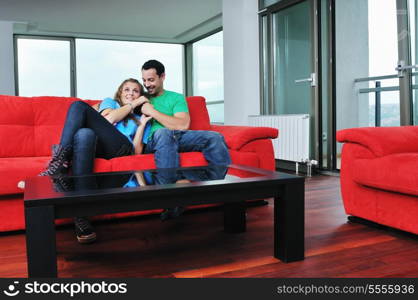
138, 178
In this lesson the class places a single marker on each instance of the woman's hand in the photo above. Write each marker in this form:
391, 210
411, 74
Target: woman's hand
139, 101
138, 145
140, 178
144, 120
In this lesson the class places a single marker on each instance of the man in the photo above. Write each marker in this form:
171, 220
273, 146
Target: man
169, 132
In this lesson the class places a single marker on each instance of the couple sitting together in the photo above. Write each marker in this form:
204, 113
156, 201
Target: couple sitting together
131, 123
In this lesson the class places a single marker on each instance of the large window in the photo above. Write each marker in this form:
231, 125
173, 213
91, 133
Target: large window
43, 67
208, 74
103, 65
383, 58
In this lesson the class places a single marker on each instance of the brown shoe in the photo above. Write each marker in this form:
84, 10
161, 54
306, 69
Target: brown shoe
84, 231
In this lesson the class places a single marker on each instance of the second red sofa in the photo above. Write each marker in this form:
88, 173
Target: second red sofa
379, 175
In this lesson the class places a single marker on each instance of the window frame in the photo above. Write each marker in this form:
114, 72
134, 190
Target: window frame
73, 73
139, 66
73, 62
188, 47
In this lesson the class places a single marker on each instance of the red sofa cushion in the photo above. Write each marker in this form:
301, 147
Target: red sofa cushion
245, 158
262, 148
31, 125
199, 116
394, 173
48, 120
16, 127
382, 141
49, 117
15, 169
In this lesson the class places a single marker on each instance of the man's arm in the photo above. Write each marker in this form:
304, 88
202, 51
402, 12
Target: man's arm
180, 120
118, 114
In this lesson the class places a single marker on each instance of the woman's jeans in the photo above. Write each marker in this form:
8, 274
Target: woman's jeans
166, 145
90, 135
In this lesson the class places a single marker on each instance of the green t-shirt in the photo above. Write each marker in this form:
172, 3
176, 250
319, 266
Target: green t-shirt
168, 103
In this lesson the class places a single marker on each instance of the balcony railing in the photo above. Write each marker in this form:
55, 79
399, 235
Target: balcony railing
214, 102
378, 90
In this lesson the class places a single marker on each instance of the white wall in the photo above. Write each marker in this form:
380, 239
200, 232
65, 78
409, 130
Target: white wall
7, 84
241, 60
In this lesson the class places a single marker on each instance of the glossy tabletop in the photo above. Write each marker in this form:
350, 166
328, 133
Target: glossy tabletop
45, 190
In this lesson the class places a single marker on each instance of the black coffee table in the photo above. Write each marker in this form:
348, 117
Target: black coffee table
47, 199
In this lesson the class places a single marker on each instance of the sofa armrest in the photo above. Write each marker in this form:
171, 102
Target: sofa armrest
382, 141
393, 173
238, 136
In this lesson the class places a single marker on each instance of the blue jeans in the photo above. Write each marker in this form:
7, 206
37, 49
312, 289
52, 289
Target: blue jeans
89, 135
166, 145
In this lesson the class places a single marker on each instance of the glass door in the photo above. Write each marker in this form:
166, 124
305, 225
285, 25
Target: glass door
413, 17
295, 76
373, 74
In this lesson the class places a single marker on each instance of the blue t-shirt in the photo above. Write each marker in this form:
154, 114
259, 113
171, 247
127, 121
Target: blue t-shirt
133, 181
128, 129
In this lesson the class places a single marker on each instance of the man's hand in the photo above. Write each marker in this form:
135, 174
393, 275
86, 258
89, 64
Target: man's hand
148, 109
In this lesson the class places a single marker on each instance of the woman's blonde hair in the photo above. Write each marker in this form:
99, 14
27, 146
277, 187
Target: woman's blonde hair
118, 95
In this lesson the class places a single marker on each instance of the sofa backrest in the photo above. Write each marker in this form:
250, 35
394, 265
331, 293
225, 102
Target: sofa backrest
30, 125
199, 116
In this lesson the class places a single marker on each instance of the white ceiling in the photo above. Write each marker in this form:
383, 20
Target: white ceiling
144, 20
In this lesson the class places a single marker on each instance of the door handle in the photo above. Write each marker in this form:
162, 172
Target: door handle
401, 68
311, 79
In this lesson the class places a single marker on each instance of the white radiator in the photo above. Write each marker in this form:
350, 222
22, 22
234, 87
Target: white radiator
293, 141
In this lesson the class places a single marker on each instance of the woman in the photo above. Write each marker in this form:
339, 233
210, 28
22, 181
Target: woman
113, 132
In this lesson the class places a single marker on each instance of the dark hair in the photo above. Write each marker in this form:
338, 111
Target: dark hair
154, 64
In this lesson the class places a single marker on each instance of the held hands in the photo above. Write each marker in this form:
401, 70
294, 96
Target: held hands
139, 101
144, 119
139, 134
137, 104
147, 109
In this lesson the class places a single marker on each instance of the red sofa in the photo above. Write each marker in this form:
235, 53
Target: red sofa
30, 125
379, 175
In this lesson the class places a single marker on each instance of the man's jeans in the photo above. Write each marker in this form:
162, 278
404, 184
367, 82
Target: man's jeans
166, 145
89, 135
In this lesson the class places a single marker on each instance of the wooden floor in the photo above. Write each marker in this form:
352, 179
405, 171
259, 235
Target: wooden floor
194, 245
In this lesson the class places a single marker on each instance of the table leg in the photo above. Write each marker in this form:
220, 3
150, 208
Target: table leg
41, 242
289, 222
235, 217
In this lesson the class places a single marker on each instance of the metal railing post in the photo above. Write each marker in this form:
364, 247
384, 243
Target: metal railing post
377, 105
